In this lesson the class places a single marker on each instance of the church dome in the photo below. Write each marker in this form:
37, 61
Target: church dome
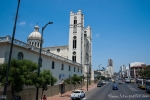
35, 34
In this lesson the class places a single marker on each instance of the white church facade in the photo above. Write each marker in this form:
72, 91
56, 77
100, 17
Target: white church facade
74, 58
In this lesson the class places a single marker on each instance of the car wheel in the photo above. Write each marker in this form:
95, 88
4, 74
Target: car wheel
146, 90
71, 98
84, 96
80, 98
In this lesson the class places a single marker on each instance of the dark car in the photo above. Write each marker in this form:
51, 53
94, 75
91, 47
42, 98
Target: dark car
114, 87
99, 84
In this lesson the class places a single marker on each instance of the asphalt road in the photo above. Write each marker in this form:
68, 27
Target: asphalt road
126, 91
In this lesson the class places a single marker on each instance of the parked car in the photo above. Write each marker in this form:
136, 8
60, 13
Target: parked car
127, 80
77, 94
123, 80
99, 84
114, 87
132, 80
103, 81
147, 85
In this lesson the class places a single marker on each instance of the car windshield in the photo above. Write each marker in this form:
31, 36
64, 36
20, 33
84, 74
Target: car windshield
76, 91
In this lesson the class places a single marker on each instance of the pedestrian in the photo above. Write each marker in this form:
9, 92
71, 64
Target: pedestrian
44, 97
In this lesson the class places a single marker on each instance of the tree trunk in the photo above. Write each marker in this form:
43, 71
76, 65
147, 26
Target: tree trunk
81, 85
74, 87
12, 92
42, 94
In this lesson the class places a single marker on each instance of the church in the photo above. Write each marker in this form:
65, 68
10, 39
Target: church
63, 61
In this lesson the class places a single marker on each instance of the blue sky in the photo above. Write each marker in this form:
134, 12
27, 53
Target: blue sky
120, 28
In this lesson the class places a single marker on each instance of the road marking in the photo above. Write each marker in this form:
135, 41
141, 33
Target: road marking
131, 88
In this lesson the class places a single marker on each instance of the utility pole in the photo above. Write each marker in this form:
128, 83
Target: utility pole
10, 53
87, 81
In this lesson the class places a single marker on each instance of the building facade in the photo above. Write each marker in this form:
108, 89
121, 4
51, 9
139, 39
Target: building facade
135, 67
74, 58
110, 69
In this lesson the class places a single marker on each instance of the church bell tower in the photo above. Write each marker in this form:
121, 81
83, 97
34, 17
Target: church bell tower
76, 32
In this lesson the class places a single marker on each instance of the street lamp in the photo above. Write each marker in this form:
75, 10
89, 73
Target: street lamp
99, 69
11, 47
40, 59
104, 70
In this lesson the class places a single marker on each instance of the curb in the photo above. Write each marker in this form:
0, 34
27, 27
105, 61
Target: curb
90, 90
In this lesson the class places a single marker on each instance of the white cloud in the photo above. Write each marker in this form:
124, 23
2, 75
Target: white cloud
97, 35
22, 23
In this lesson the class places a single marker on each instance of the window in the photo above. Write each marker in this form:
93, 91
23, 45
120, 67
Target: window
74, 53
48, 50
62, 67
74, 42
58, 50
32, 43
85, 35
53, 65
74, 58
69, 67
35, 43
38, 44
81, 70
75, 21
74, 69
78, 69
20, 56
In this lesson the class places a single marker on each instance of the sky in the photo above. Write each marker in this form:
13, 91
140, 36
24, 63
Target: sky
120, 28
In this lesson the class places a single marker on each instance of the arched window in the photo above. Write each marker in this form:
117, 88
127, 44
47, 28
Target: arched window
75, 20
74, 56
38, 44
74, 69
62, 67
74, 42
20, 56
69, 68
58, 50
53, 64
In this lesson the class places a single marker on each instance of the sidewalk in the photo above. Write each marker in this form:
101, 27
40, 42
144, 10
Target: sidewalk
66, 96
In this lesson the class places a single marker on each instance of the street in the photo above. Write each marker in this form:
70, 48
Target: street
125, 91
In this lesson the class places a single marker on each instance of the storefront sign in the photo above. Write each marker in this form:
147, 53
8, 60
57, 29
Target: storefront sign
62, 76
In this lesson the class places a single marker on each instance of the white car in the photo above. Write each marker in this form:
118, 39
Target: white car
104, 82
77, 94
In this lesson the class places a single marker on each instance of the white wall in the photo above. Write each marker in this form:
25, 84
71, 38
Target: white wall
63, 50
46, 60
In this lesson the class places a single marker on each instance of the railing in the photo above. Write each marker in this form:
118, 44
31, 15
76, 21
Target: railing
28, 46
